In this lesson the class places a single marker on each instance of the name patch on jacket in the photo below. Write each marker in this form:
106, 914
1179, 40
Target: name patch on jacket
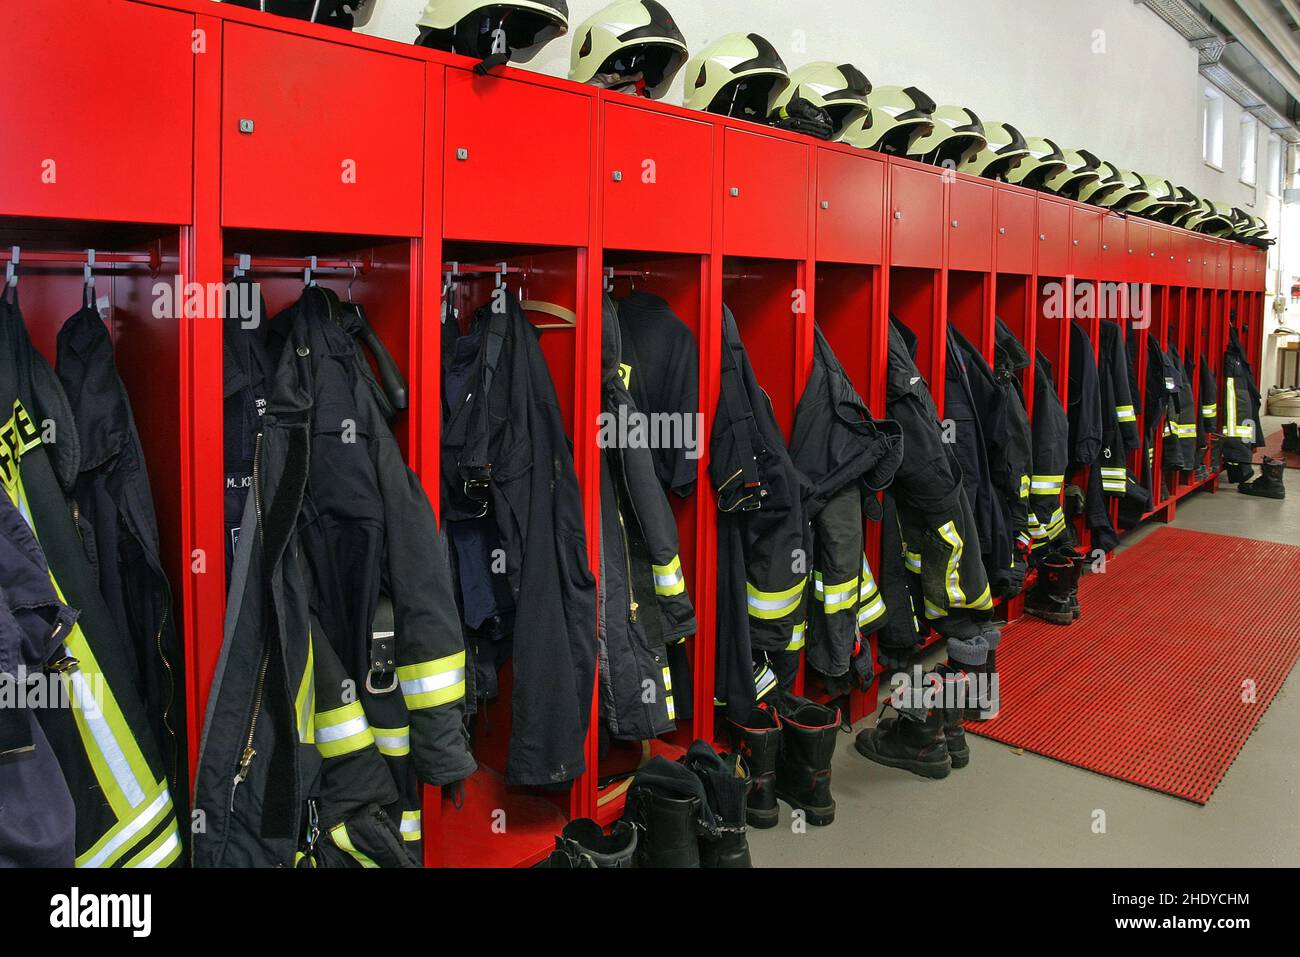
16, 436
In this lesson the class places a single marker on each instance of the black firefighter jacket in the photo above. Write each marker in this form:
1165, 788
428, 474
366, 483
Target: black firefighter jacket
1051, 427
341, 681
1208, 422
37, 816
1241, 404
119, 528
764, 539
1119, 436
644, 604
124, 810
848, 457
1180, 425
930, 557
505, 456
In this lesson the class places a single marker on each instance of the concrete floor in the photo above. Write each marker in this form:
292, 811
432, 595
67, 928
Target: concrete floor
1019, 809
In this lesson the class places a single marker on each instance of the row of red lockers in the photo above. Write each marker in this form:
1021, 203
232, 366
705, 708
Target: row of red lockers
238, 131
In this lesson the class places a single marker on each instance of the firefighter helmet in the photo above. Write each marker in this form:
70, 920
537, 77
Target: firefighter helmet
630, 45
736, 75
841, 90
1100, 191
957, 133
1081, 169
1002, 152
899, 116
493, 32
1043, 160
1161, 194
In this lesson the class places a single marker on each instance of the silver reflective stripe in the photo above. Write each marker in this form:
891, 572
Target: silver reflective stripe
161, 851
141, 822
105, 740
337, 732
436, 682
409, 825
389, 743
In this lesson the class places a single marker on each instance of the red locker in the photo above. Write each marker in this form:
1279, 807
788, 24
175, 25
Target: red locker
917, 217
850, 207
765, 206
298, 156
63, 65
970, 222
1085, 242
517, 161
1138, 237
655, 163
1015, 233
1053, 238
1114, 248
1160, 258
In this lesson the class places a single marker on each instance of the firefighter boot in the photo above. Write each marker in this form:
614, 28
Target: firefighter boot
664, 805
1291, 437
913, 742
1049, 599
726, 786
958, 690
803, 766
758, 741
583, 843
1269, 483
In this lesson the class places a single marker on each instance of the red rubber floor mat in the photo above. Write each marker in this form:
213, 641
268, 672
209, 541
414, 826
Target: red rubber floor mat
1273, 449
1148, 685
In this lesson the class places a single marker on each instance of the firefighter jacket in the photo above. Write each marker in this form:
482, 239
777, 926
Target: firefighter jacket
247, 371
1241, 404
341, 681
1085, 408
644, 604
1180, 423
764, 538
103, 742
661, 368
848, 457
1208, 395
1110, 477
505, 457
37, 816
119, 529
994, 399
939, 540
1051, 458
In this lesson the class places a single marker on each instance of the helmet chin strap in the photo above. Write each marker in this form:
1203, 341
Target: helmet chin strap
498, 57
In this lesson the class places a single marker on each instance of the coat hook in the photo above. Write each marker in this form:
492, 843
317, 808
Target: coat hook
11, 267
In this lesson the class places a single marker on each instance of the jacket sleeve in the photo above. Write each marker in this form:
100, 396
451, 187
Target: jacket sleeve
1125, 408
430, 646
1051, 452
1209, 396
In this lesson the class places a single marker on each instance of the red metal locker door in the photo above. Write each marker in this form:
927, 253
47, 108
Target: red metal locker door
1209, 261
1015, 234
850, 207
1053, 238
299, 152
1182, 246
1219, 258
917, 225
970, 226
1085, 242
1139, 238
1114, 248
101, 112
1261, 270
657, 174
1160, 258
517, 161
765, 209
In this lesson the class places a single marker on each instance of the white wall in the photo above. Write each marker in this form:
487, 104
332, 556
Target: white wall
1106, 75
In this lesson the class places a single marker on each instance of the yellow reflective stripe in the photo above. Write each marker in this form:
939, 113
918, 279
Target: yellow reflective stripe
837, 597
339, 832
669, 580
668, 693
1126, 413
432, 683
1056, 525
770, 605
160, 852
1209, 411
304, 702
121, 836
394, 742
871, 612
933, 611
948, 532
984, 601
1024, 486
913, 561
410, 826
797, 636
1046, 484
343, 730
868, 587
764, 681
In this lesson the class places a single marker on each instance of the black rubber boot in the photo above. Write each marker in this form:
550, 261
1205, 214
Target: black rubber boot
1269, 483
1291, 437
803, 766
1049, 599
584, 843
669, 835
910, 743
959, 690
726, 783
758, 741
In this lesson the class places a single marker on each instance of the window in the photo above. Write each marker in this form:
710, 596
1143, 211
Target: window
1273, 170
1212, 128
1249, 139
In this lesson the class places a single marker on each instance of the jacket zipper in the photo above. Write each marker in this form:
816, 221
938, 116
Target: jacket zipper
171, 691
632, 605
249, 752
